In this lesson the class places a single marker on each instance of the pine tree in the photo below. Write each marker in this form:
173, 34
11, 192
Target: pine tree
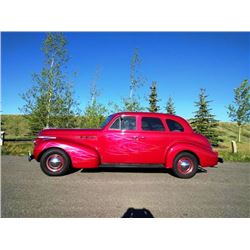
239, 111
170, 106
204, 122
49, 102
153, 100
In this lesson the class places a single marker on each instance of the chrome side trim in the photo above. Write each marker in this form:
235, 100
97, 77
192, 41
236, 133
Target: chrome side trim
46, 137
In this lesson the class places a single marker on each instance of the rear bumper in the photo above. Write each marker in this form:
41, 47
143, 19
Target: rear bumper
210, 159
220, 160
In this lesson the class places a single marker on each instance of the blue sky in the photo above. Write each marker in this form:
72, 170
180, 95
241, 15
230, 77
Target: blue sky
181, 63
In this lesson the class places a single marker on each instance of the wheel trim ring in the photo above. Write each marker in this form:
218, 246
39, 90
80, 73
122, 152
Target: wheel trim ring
55, 168
185, 169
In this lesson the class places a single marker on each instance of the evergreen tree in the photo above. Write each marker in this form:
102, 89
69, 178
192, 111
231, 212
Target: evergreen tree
170, 106
153, 100
132, 103
49, 102
203, 121
239, 111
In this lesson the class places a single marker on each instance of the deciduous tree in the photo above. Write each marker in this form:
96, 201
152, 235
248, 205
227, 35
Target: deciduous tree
239, 110
132, 103
94, 113
49, 102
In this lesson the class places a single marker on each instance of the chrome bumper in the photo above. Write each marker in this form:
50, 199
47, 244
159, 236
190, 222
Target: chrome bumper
220, 160
30, 157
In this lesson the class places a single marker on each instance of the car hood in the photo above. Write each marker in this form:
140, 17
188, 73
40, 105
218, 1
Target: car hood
64, 132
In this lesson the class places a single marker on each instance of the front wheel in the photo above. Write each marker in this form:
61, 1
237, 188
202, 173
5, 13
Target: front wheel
185, 165
55, 162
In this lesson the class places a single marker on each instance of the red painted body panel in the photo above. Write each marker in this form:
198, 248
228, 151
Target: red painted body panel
81, 156
87, 148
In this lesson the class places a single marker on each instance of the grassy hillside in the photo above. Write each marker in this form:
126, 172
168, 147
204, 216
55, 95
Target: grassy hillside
229, 131
16, 126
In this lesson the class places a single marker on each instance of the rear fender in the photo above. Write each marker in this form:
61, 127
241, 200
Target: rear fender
81, 156
204, 156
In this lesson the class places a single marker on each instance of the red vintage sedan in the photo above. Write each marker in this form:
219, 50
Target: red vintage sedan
126, 138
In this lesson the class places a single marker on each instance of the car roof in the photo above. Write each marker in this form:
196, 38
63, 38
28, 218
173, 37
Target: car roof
148, 113
184, 123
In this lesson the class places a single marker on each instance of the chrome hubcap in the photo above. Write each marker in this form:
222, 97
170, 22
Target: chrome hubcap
54, 162
185, 164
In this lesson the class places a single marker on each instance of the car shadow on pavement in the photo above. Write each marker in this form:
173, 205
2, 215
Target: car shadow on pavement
137, 213
125, 169
132, 169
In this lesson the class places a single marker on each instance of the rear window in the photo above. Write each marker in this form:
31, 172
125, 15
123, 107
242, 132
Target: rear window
174, 125
152, 124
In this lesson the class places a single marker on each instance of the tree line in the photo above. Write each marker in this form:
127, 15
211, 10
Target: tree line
50, 101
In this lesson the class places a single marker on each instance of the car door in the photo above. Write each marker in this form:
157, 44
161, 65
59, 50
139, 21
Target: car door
152, 140
120, 141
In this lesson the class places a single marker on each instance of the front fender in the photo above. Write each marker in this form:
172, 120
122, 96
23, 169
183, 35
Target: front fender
81, 156
205, 156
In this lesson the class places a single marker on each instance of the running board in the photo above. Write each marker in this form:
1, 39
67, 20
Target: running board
133, 165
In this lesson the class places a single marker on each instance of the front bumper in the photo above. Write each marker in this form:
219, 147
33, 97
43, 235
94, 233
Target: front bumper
30, 157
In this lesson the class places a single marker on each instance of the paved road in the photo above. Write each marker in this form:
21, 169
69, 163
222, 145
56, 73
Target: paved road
27, 192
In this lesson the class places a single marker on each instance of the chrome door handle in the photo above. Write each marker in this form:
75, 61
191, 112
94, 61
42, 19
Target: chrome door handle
135, 137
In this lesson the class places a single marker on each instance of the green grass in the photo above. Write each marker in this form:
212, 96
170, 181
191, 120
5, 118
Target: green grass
229, 131
16, 126
240, 157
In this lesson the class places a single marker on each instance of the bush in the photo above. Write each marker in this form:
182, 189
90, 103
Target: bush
17, 148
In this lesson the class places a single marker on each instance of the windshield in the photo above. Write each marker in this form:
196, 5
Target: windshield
108, 119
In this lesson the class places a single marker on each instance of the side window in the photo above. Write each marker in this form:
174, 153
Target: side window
128, 123
152, 124
124, 123
174, 126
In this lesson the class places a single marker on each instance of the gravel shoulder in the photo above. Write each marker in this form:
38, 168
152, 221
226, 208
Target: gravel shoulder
109, 192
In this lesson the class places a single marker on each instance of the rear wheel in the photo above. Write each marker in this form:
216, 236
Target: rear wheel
55, 162
185, 165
